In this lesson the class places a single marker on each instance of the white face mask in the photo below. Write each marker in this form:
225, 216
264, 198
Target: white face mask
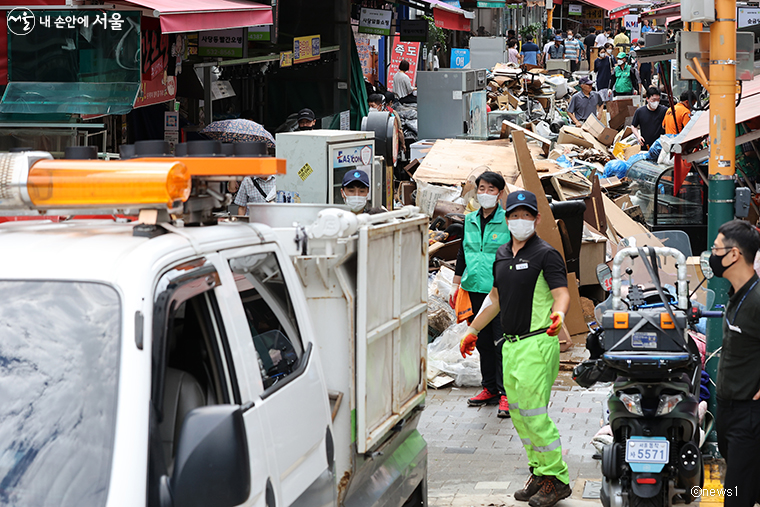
356, 202
653, 105
487, 201
522, 229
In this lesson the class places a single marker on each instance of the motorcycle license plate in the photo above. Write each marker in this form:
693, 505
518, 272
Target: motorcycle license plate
647, 450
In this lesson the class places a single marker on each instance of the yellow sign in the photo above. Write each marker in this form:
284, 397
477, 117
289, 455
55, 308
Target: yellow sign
305, 172
306, 49
286, 59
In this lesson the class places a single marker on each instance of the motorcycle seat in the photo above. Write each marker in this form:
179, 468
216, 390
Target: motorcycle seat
647, 363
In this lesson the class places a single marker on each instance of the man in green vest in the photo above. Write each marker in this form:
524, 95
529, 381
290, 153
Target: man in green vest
484, 232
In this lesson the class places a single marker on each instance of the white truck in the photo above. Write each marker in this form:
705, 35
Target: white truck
164, 365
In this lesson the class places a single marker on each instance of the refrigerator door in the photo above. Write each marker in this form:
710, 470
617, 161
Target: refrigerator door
345, 157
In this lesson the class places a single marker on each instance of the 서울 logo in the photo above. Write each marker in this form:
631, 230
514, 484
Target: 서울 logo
20, 21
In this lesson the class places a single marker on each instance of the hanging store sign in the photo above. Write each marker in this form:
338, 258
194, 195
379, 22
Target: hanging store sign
408, 51
221, 43
157, 84
375, 21
286, 59
460, 58
575, 10
413, 30
306, 49
748, 16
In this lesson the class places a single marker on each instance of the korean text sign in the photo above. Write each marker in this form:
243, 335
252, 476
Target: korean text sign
408, 51
375, 21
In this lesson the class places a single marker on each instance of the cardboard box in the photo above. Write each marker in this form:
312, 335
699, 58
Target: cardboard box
602, 134
591, 255
573, 135
618, 109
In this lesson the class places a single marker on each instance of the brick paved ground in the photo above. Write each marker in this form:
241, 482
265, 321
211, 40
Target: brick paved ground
476, 459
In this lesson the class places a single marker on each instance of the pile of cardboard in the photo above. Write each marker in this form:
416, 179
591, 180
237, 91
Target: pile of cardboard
509, 86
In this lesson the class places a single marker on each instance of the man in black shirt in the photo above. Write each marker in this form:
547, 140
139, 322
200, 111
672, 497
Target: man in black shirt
738, 385
647, 120
588, 42
530, 295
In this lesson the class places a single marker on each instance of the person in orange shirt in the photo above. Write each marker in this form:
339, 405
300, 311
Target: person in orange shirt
683, 113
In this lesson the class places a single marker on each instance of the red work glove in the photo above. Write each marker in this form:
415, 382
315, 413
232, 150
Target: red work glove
557, 319
467, 345
453, 296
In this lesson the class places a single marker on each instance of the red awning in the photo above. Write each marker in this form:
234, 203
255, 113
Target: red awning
201, 15
665, 12
449, 17
607, 5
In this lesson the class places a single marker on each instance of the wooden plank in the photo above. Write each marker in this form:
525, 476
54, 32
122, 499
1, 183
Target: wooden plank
544, 141
546, 228
594, 213
451, 161
574, 321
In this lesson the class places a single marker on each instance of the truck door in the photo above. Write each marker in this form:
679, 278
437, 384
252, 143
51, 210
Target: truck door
293, 400
193, 367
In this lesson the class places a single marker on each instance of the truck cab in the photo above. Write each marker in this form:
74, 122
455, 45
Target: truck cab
149, 363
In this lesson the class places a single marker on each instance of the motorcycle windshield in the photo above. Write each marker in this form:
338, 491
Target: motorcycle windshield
59, 350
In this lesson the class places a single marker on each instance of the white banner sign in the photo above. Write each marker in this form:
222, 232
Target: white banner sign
748, 16
632, 24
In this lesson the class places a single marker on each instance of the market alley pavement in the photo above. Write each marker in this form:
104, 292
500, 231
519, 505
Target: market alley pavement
476, 459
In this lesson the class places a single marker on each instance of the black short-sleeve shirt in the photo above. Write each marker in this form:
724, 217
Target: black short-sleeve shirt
525, 282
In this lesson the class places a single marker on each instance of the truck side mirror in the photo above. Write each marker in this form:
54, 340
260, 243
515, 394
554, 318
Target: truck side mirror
604, 276
211, 466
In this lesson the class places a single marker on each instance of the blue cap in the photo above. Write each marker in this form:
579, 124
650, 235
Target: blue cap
522, 198
355, 175
558, 38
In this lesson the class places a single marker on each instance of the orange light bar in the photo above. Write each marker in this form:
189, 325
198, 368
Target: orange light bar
99, 183
620, 320
229, 166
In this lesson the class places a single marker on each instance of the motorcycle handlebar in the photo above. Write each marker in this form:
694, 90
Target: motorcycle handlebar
712, 314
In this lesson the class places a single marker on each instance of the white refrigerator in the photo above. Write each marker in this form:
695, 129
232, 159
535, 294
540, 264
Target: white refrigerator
317, 160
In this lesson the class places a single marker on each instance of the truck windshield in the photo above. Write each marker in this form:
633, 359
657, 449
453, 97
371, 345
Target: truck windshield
59, 350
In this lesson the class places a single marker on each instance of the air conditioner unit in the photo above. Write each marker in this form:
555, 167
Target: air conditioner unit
698, 11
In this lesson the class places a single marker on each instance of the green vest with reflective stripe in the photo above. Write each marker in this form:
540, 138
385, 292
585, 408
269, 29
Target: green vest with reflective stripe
480, 250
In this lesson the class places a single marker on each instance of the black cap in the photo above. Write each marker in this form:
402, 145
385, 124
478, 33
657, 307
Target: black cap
355, 175
306, 114
522, 198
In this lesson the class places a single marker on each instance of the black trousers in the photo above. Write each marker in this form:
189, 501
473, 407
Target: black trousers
738, 427
491, 367
574, 65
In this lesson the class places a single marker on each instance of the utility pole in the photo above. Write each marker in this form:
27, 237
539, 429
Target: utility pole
720, 207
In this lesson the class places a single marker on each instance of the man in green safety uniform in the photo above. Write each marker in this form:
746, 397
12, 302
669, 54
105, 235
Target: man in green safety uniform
484, 232
530, 294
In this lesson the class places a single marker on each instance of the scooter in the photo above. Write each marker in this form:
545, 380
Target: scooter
644, 349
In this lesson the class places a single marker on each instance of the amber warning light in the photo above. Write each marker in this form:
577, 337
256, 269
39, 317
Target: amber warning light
33, 180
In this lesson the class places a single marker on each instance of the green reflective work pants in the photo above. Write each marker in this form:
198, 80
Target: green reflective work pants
531, 366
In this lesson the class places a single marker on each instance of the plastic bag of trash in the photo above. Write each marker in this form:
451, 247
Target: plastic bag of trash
543, 129
617, 168
444, 355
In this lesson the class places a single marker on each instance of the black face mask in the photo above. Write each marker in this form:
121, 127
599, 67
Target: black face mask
716, 264
306, 127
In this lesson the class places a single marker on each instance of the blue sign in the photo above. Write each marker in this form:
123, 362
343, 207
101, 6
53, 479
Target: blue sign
460, 58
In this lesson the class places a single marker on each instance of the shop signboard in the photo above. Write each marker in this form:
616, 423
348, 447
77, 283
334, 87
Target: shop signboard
376, 21
748, 16
413, 30
633, 25
408, 51
286, 59
575, 10
259, 33
157, 85
306, 49
460, 58
221, 43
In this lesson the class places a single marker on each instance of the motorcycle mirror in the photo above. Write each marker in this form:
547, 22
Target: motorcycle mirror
604, 275
704, 264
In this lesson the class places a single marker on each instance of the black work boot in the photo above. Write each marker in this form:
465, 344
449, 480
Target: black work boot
552, 491
532, 485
